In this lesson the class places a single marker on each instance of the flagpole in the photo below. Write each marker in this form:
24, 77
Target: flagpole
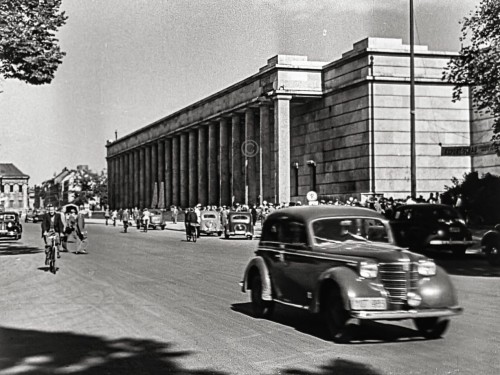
413, 166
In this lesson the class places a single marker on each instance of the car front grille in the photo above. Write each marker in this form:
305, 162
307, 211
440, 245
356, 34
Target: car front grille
399, 279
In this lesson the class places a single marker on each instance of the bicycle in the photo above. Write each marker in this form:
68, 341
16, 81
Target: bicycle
52, 254
191, 232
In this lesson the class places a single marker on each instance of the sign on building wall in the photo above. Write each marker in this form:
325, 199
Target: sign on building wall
480, 149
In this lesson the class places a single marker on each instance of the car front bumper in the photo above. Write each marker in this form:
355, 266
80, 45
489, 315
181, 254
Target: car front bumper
451, 243
9, 234
406, 314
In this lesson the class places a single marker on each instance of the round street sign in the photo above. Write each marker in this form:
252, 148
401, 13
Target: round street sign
312, 196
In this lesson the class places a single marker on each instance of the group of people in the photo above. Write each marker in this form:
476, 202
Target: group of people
64, 226
125, 215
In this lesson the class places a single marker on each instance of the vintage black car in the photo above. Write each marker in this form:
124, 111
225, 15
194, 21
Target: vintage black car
239, 224
490, 245
431, 226
341, 262
157, 219
37, 216
210, 223
10, 227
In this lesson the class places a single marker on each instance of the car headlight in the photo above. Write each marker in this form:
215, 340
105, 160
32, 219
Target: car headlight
368, 270
9, 225
427, 268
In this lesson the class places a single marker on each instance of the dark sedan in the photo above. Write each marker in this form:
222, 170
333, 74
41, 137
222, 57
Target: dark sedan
431, 226
341, 262
10, 227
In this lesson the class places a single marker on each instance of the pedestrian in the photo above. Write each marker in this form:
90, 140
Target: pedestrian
107, 214
126, 219
175, 213
81, 233
253, 212
145, 219
197, 211
114, 216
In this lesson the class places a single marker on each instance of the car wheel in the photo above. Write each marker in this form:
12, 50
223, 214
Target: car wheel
459, 251
226, 235
432, 328
163, 227
335, 315
261, 308
219, 233
493, 254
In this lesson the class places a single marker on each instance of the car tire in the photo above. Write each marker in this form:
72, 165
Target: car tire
163, 227
219, 233
335, 315
260, 308
226, 235
492, 252
432, 328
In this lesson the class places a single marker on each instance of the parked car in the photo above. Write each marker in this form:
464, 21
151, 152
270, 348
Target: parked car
239, 224
10, 226
38, 216
156, 220
342, 262
490, 245
431, 226
210, 223
29, 216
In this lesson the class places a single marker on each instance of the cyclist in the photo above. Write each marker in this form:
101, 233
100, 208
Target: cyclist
52, 222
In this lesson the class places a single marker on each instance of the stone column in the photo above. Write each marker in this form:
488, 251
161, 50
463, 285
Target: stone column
224, 166
237, 181
154, 174
202, 166
147, 178
137, 197
142, 177
121, 179
176, 187
184, 172
282, 147
111, 193
130, 179
213, 166
266, 134
168, 172
161, 173
193, 167
125, 180
250, 151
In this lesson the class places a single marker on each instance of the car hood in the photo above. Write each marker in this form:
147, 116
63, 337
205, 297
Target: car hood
385, 253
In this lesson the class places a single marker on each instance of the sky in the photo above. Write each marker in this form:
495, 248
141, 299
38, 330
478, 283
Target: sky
132, 62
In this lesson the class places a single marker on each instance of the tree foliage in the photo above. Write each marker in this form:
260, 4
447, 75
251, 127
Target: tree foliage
478, 63
29, 50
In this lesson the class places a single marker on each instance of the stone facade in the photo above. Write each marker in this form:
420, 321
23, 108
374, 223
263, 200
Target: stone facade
13, 188
339, 128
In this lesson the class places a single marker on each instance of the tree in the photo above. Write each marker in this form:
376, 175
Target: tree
478, 63
29, 50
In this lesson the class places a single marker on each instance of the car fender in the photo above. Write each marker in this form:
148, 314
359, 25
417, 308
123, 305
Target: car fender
490, 237
350, 284
258, 264
437, 291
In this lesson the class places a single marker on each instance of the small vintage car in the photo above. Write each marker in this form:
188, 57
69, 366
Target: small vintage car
424, 226
210, 223
157, 220
10, 227
38, 216
341, 262
239, 224
490, 245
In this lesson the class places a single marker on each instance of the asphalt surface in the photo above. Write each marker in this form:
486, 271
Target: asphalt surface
152, 303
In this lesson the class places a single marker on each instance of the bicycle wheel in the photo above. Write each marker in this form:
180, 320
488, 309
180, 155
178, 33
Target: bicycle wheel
52, 263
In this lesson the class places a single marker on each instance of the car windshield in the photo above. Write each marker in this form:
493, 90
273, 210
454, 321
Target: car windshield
339, 230
209, 216
240, 217
7, 217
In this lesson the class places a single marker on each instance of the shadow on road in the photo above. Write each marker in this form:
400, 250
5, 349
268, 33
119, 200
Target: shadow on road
311, 324
336, 367
17, 249
35, 352
466, 265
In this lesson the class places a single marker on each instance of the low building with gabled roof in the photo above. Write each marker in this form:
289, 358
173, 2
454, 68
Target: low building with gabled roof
13, 188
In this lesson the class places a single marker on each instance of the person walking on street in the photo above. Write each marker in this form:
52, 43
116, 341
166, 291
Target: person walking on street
107, 214
145, 219
81, 233
114, 216
125, 218
175, 213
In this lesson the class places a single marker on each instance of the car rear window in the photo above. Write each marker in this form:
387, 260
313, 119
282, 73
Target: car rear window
240, 217
209, 216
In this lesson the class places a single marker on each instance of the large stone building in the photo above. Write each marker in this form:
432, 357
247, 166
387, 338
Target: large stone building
339, 128
13, 188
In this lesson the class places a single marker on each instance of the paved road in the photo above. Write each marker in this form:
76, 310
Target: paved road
152, 303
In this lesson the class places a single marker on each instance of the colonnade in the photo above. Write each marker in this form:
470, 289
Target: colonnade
241, 157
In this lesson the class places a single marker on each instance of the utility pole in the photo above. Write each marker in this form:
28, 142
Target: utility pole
413, 166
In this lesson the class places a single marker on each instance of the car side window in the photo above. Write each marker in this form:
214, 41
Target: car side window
271, 232
294, 233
